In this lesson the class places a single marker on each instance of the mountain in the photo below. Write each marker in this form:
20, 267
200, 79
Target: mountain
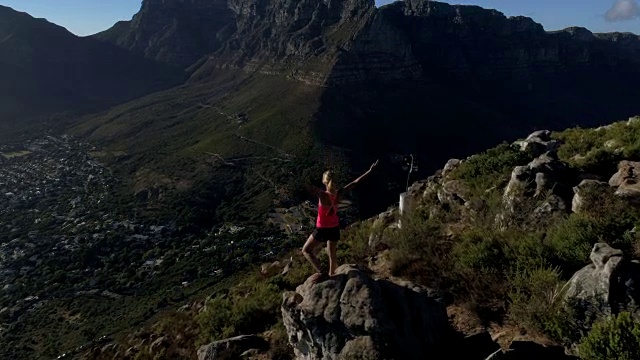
46, 69
339, 83
174, 31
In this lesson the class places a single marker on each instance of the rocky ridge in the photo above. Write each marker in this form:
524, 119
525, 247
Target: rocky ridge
347, 42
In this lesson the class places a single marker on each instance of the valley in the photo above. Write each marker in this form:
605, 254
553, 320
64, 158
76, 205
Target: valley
69, 245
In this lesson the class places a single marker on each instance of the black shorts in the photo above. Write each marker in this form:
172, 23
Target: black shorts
327, 234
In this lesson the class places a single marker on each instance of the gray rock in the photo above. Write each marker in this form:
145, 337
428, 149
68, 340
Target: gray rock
609, 284
540, 135
382, 226
450, 166
542, 183
453, 192
231, 347
553, 204
538, 143
544, 176
627, 180
353, 314
579, 201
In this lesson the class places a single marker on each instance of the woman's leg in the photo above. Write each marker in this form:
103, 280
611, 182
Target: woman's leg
332, 247
309, 252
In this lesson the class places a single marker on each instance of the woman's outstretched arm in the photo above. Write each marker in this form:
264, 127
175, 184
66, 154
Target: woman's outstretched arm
356, 181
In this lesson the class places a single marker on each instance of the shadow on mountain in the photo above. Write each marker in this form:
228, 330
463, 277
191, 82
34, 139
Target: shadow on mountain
482, 79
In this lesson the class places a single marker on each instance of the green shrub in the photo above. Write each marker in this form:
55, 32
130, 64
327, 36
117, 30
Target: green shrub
420, 253
496, 160
479, 250
536, 303
599, 161
240, 312
354, 245
615, 338
585, 148
609, 220
485, 170
570, 242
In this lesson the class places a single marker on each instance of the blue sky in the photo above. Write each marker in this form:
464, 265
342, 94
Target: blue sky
85, 17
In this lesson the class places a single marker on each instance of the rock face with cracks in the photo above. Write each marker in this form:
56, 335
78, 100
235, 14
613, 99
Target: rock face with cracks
353, 315
609, 284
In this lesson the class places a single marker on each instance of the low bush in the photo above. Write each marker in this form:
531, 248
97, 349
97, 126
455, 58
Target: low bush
536, 303
248, 309
617, 337
485, 170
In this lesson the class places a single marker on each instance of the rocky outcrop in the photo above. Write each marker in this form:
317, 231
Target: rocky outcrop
607, 285
231, 348
545, 176
276, 268
355, 316
627, 181
580, 200
346, 42
538, 143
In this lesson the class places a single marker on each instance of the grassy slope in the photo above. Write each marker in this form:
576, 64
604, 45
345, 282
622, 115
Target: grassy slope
170, 135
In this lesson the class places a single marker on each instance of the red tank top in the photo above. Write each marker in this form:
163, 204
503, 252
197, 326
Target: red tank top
328, 215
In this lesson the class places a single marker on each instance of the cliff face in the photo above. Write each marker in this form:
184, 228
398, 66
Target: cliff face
338, 42
178, 32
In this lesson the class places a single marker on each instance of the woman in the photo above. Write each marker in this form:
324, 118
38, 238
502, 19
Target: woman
327, 223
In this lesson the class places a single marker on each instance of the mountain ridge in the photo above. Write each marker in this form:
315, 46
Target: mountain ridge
46, 69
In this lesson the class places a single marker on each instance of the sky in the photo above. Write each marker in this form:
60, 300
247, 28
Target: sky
86, 17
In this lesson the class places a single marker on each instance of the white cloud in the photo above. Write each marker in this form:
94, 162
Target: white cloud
623, 10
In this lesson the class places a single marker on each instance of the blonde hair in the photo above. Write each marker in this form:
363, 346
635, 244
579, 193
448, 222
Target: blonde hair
327, 179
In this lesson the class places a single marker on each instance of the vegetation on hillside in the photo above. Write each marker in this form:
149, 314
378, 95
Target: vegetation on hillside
511, 275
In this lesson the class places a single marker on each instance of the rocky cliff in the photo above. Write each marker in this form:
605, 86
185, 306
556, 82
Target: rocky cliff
177, 32
337, 42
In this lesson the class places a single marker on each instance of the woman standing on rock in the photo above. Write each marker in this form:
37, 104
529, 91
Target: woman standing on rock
327, 223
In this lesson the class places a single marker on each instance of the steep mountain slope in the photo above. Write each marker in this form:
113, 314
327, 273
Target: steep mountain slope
412, 77
46, 69
173, 31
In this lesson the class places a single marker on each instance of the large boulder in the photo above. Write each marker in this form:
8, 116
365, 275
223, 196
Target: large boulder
453, 192
544, 175
607, 285
231, 348
450, 166
538, 143
627, 180
546, 182
353, 315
